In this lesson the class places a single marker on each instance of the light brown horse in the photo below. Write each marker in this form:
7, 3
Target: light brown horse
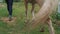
43, 16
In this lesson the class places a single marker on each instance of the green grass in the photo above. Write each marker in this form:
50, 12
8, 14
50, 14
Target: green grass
19, 13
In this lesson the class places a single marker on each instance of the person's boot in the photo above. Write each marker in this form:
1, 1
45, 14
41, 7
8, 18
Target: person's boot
10, 17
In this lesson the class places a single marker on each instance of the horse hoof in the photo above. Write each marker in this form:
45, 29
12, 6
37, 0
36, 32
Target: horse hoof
42, 30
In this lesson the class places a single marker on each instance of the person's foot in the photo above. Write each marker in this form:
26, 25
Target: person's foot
10, 17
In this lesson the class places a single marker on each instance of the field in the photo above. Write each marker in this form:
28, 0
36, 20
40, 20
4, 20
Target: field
17, 26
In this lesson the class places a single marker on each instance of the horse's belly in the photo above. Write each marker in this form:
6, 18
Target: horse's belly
31, 1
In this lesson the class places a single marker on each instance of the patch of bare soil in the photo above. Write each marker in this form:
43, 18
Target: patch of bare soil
6, 20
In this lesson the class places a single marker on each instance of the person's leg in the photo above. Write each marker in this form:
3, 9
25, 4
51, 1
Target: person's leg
32, 10
9, 7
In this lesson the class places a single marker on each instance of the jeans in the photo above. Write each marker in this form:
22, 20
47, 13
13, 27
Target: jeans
9, 6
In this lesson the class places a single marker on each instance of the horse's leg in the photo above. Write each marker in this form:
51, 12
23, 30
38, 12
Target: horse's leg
9, 7
42, 28
51, 29
32, 10
26, 7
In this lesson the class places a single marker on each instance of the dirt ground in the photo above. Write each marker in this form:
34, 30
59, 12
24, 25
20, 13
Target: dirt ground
6, 20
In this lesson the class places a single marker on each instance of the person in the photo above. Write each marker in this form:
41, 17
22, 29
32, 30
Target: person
9, 8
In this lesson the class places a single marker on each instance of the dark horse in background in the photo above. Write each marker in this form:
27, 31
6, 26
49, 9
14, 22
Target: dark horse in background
9, 8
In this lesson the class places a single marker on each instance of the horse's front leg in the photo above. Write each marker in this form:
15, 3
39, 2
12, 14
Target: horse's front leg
32, 10
26, 7
51, 29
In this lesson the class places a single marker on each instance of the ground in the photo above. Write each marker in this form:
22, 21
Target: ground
17, 26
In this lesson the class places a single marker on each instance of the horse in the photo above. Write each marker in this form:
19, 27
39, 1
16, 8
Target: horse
9, 8
26, 7
43, 16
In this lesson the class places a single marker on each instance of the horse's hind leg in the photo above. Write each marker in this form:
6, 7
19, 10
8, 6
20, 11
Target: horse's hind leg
51, 29
26, 7
32, 10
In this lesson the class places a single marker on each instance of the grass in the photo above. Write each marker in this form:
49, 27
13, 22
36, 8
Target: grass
19, 13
